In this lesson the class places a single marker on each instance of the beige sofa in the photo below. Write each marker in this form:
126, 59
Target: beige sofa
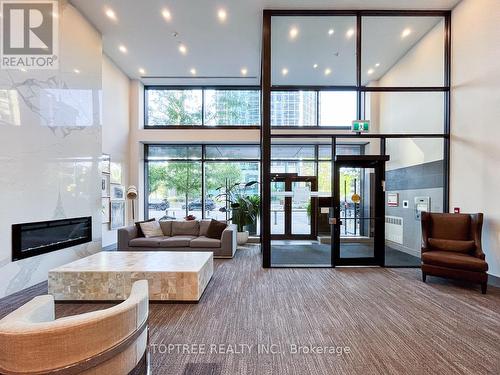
180, 236
110, 341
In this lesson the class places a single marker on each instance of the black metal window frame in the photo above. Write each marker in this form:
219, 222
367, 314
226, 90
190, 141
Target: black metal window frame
266, 135
203, 89
202, 160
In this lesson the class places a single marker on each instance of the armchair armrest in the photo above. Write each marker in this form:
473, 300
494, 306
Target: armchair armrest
476, 229
425, 223
228, 240
125, 235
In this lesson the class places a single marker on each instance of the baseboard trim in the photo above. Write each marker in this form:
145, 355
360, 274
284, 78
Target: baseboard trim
494, 280
111, 247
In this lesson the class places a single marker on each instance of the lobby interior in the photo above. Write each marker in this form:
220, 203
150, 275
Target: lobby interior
353, 131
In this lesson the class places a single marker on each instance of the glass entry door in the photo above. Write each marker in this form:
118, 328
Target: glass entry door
359, 210
293, 207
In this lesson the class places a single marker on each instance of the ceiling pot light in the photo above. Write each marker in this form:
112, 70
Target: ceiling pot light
182, 49
377, 65
405, 33
142, 71
193, 71
110, 13
122, 48
222, 14
370, 71
166, 14
244, 71
294, 32
284, 71
315, 66
77, 71
349, 33
327, 71
331, 31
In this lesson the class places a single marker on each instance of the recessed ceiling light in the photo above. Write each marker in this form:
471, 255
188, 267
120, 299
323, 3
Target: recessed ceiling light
349, 33
182, 49
166, 14
142, 71
23, 70
222, 15
284, 71
294, 32
331, 31
77, 71
244, 71
327, 71
193, 71
315, 66
122, 48
370, 71
377, 65
405, 33
110, 13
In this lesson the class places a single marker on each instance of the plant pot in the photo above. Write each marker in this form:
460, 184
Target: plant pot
242, 238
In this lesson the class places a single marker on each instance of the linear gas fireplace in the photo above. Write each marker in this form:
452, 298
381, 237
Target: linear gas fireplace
32, 239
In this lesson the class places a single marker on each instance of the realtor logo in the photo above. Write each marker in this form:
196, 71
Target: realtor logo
29, 34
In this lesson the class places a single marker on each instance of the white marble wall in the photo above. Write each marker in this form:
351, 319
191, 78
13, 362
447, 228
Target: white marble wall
50, 144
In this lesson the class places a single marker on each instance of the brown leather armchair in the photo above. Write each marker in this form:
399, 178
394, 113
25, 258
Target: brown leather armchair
451, 247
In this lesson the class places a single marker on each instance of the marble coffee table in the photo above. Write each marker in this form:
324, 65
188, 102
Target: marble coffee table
108, 276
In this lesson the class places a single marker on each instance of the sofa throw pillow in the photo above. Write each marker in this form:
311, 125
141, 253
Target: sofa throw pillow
151, 229
452, 245
215, 229
138, 226
186, 228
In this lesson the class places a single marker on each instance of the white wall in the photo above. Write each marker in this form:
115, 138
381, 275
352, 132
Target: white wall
475, 110
115, 127
50, 145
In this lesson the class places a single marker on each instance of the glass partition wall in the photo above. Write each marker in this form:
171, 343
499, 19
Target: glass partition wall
184, 180
332, 197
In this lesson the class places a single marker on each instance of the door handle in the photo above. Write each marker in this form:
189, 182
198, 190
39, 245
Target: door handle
335, 221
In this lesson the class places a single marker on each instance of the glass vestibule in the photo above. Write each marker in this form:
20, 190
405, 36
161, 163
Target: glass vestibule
323, 69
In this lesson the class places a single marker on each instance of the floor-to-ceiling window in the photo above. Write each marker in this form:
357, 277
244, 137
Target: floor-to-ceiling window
187, 180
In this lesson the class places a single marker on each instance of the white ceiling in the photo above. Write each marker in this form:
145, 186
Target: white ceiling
221, 50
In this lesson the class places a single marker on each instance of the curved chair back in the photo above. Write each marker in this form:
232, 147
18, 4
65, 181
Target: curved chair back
110, 341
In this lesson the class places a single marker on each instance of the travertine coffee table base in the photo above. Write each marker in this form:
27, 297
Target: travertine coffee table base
108, 276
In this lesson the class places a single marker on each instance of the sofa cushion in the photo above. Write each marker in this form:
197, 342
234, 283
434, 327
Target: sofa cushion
138, 226
166, 227
215, 229
454, 260
204, 224
205, 242
176, 241
151, 229
183, 228
464, 247
146, 242
450, 227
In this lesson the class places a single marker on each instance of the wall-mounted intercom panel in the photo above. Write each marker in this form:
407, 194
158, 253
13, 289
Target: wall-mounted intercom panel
422, 204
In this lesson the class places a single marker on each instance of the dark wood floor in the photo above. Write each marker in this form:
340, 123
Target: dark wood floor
389, 319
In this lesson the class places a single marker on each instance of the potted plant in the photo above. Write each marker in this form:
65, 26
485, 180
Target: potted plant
241, 206
255, 201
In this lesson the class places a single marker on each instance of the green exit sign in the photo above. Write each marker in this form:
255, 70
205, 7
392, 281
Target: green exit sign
359, 126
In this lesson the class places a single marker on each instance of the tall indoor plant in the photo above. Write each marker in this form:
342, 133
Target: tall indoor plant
240, 206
